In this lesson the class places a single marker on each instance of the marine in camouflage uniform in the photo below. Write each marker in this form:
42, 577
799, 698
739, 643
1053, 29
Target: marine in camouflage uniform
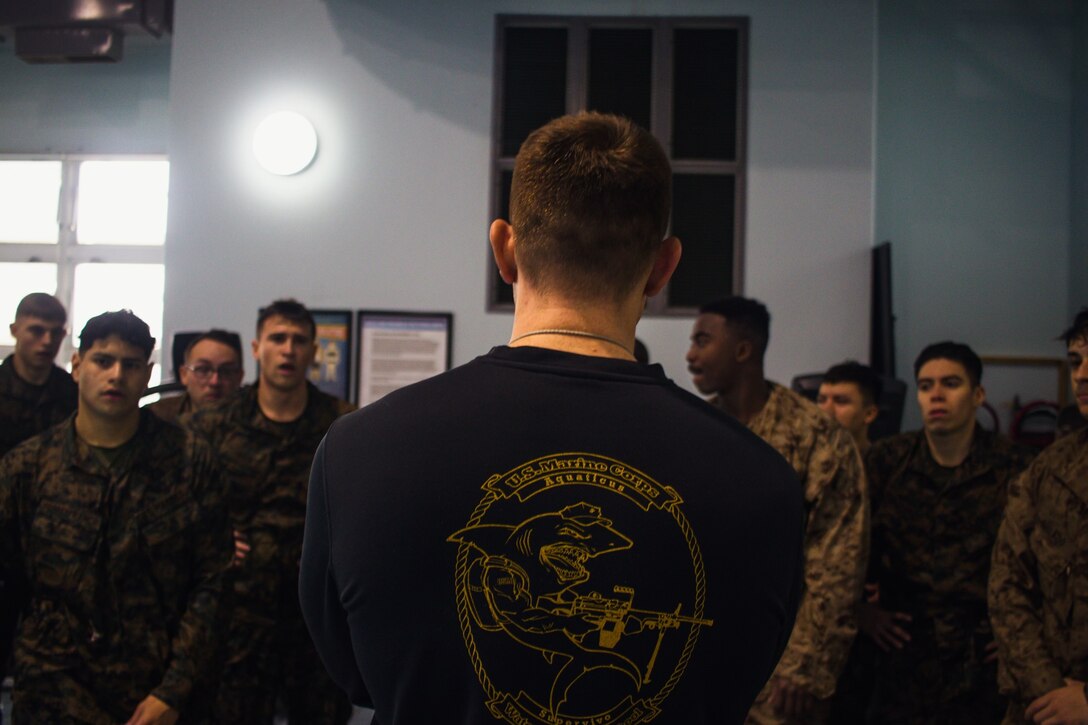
26, 410
125, 565
42, 396
1039, 580
933, 531
728, 346
173, 409
836, 544
269, 651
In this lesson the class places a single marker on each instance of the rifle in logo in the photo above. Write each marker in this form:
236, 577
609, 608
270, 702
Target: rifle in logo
615, 617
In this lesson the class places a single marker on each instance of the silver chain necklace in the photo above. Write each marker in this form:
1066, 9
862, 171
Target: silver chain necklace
574, 333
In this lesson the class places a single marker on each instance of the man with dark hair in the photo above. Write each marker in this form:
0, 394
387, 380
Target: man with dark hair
34, 392
1039, 581
265, 436
211, 373
554, 532
937, 497
34, 395
113, 522
850, 393
728, 344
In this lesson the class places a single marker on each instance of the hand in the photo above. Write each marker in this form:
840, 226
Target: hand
872, 593
241, 548
153, 711
1063, 706
991, 654
790, 699
881, 626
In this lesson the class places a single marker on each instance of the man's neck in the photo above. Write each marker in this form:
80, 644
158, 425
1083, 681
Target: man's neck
34, 376
746, 400
951, 449
863, 444
612, 327
282, 406
106, 432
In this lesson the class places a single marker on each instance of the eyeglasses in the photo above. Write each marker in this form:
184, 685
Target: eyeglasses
225, 372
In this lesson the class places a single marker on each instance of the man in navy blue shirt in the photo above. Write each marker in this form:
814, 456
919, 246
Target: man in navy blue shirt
554, 532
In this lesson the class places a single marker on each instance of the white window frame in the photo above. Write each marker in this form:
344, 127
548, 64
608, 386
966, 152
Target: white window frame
67, 252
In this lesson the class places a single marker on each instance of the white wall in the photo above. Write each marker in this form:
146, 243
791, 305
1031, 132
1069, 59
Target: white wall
393, 213
1078, 247
973, 172
103, 108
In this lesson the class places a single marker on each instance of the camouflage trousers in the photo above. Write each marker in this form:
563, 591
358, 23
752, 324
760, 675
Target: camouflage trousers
266, 661
66, 698
761, 712
925, 685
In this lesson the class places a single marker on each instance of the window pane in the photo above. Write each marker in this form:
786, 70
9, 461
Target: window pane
534, 85
17, 280
103, 287
704, 112
29, 194
122, 202
702, 216
619, 72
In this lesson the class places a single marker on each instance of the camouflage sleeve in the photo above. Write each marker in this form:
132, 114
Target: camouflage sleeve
1027, 670
836, 553
196, 646
10, 555
883, 463
13, 589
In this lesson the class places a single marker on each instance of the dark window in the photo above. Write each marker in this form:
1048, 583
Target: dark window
620, 64
534, 82
684, 79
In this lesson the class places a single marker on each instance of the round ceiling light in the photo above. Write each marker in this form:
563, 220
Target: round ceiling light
285, 143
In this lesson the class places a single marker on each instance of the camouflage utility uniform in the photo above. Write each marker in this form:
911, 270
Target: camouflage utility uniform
174, 408
933, 531
26, 410
1039, 580
836, 544
269, 651
125, 565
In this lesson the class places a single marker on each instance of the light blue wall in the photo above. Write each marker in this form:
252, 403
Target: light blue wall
104, 108
981, 167
393, 214
1078, 248
973, 166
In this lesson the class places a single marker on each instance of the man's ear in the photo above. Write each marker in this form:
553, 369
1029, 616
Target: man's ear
501, 235
253, 347
668, 256
871, 412
744, 350
75, 366
979, 395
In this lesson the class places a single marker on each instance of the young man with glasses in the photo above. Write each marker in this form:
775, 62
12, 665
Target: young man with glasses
212, 372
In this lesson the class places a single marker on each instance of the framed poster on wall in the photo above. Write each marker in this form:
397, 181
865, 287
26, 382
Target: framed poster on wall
331, 369
400, 348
